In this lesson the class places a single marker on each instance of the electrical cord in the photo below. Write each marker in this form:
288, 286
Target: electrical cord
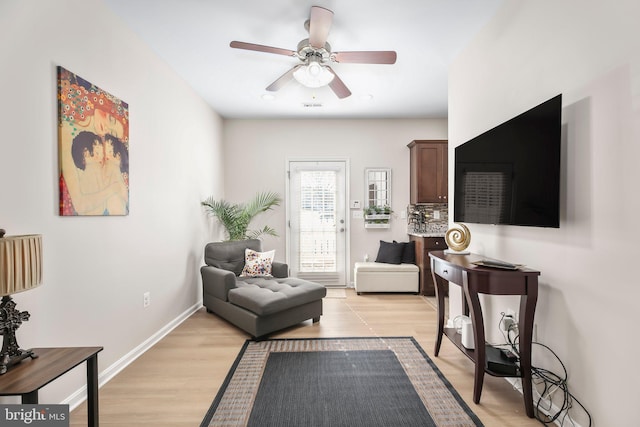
549, 381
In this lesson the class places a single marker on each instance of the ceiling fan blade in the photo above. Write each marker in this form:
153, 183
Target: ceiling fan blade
283, 80
261, 48
366, 57
337, 86
319, 26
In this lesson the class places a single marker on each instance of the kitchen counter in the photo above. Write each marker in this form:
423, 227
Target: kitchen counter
427, 233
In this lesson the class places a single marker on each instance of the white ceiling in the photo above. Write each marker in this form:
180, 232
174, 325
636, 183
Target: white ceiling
193, 37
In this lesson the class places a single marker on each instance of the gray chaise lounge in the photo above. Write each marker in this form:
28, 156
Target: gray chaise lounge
257, 305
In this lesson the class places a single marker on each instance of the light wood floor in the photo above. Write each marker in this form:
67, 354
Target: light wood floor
174, 383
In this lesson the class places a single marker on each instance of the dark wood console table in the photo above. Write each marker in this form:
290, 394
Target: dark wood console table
475, 280
30, 375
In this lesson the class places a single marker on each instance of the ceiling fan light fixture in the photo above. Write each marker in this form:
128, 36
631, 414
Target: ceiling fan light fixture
313, 74
314, 52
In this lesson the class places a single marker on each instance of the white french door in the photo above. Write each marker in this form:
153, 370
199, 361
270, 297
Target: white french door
317, 221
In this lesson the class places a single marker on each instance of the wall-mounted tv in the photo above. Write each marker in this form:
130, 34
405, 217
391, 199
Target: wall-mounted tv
511, 173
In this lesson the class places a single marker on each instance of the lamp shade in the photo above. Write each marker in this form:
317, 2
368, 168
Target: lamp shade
313, 74
20, 263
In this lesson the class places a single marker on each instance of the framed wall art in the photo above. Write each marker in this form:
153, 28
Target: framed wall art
93, 149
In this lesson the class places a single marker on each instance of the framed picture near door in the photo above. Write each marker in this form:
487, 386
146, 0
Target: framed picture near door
93, 149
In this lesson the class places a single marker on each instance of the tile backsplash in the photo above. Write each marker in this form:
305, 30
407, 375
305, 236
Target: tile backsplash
427, 218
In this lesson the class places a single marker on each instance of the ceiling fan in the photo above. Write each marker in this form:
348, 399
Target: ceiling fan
315, 53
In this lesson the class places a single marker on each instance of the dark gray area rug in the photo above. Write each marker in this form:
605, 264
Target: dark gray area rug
367, 382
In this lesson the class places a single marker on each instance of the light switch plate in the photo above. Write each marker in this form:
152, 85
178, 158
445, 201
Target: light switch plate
357, 214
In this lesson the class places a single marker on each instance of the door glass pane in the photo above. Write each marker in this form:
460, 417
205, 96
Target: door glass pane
317, 221
317, 213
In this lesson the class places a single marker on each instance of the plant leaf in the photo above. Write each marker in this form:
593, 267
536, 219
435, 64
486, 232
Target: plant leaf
262, 203
236, 217
255, 234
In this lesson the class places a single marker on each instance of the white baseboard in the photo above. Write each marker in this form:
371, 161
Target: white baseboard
75, 399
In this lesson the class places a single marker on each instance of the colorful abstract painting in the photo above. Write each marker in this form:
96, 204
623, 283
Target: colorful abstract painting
93, 139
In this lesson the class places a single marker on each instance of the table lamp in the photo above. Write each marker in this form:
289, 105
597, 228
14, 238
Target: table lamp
20, 270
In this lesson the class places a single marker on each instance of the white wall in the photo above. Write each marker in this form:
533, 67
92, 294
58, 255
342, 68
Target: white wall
256, 152
588, 51
97, 268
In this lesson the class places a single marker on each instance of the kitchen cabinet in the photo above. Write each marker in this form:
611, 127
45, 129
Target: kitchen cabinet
423, 246
428, 168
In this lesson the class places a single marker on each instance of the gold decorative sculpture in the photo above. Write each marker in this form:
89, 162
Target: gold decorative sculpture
458, 238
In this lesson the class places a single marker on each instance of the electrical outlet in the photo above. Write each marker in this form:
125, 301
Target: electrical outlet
146, 299
508, 320
506, 323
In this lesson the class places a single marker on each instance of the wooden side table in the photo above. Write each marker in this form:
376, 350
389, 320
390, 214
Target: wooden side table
475, 280
29, 376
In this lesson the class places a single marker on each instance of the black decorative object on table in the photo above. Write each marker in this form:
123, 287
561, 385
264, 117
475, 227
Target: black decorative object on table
10, 321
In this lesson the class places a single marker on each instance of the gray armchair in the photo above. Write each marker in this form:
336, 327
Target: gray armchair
257, 305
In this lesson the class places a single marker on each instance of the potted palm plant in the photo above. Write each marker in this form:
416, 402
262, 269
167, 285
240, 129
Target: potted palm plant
236, 218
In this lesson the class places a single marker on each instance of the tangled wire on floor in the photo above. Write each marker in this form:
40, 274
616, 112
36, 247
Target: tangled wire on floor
547, 384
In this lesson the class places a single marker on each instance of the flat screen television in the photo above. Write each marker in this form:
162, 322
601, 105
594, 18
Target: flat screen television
511, 174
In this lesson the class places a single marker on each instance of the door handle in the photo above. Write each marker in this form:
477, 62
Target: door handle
342, 230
